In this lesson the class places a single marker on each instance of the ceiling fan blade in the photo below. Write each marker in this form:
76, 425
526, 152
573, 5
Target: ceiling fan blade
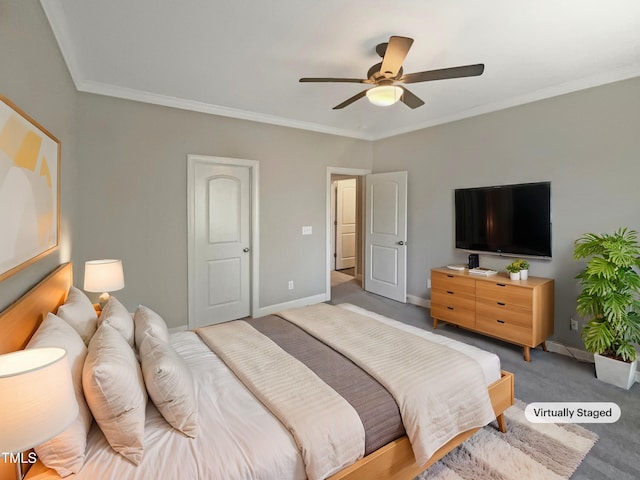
339, 80
409, 99
396, 52
444, 73
349, 101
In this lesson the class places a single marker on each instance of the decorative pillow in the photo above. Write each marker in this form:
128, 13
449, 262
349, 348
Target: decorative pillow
170, 384
115, 393
65, 452
147, 322
116, 315
78, 312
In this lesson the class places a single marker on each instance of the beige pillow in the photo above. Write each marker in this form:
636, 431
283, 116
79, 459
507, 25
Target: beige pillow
147, 322
117, 316
170, 384
65, 452
78, 312
115, 393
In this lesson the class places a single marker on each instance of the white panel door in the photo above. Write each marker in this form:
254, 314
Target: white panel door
221, 260
346, 224
386, 235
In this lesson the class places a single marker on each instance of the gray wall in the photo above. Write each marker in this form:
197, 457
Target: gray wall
586, 143
134, 196
34, 77
123, 179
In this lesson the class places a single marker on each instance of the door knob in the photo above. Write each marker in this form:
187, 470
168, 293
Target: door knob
402, 243
245, 249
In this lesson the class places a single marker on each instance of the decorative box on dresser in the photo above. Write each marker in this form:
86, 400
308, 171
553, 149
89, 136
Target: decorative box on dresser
516, 311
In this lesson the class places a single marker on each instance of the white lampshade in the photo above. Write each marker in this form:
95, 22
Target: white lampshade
103, 276
37, 399
384, 95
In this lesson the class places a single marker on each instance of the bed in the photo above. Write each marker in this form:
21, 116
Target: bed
277, 454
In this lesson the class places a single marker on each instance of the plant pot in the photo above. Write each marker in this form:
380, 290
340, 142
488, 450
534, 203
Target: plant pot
615, 372
524, 274
514, 275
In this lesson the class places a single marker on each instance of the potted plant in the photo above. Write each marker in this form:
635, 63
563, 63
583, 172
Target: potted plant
524, 269
610, 298
518, 269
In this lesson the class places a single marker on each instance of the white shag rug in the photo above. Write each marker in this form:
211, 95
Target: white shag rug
543, 451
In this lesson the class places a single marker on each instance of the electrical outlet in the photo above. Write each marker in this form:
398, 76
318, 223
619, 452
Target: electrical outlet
429, 282
573, 325
290, 284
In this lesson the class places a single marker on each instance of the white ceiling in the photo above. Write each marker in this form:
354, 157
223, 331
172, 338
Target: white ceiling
243, 58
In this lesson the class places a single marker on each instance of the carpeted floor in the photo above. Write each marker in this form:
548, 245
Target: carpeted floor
549, 377
526, 451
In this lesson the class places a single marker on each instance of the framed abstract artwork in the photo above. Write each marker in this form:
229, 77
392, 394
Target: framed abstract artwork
29, 190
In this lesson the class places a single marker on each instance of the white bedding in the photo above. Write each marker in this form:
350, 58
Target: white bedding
489, 362
238, 438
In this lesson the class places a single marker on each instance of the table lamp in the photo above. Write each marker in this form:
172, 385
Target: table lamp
103, 276
37, 400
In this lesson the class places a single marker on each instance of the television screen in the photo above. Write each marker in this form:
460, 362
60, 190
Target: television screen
505, 219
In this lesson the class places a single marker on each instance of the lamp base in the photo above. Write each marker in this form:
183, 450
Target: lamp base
103, 299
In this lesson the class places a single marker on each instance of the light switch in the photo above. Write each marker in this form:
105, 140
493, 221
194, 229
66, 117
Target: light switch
307, 230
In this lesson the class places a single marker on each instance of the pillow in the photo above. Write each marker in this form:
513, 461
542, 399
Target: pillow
116, 315
170, 384
115, 392
78, 312
65, 452
147, 322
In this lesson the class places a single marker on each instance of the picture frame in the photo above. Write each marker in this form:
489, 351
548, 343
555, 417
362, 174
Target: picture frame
29, 190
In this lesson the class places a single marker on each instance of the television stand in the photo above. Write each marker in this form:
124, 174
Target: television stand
516, 311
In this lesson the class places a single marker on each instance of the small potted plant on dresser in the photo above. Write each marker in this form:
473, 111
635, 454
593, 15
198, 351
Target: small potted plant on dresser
518, 270
610, 297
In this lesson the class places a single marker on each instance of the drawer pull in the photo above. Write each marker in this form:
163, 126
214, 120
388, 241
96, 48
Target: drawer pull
501, 284
502, 304
450, 276
449, 308
500, 321
449, 292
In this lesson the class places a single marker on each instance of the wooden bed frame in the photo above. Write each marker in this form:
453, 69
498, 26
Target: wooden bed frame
394, 461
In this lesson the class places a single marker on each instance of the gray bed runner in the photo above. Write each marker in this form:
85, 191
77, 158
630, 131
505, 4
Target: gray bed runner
373, 403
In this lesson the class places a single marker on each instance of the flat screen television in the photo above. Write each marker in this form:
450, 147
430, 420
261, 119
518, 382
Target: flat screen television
505, 219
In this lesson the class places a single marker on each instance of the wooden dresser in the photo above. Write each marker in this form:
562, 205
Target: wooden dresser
516, 311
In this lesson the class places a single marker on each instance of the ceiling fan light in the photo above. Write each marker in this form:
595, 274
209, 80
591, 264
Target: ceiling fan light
384, 95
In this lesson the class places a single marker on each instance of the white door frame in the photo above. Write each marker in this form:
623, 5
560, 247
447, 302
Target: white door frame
358, 172
254, 168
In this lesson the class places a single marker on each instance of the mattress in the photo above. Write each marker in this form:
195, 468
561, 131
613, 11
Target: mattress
238, 438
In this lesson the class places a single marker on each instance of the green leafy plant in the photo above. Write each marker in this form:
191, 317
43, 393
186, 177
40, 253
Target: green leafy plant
610, 294
517, 265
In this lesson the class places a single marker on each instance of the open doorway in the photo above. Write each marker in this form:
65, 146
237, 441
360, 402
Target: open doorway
345, 226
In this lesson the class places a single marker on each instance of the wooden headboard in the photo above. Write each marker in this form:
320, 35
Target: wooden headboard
21, 319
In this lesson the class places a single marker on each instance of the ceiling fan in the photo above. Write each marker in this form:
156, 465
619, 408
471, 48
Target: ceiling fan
387, 74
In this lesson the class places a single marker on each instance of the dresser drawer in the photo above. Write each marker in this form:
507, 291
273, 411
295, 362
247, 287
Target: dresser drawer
453, 283
503, 330
457, 315
505, 293
449, 298
511, 314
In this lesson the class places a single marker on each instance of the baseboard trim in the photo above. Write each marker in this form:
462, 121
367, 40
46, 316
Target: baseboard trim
576, 353
299, 302
181, 328
419, 301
